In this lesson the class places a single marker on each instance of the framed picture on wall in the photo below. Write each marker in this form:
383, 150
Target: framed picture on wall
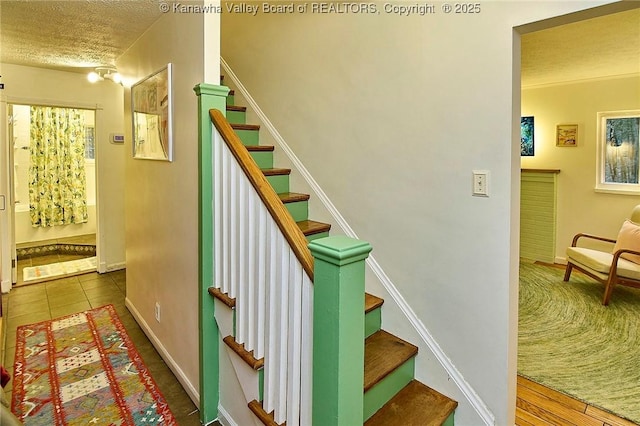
526, 136
567, 135
152, 109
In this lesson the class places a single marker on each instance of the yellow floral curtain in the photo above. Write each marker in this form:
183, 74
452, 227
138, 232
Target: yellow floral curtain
57, 178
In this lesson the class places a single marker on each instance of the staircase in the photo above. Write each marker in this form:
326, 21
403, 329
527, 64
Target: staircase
391, 394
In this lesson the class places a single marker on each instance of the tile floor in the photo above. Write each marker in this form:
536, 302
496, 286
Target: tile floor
38, 302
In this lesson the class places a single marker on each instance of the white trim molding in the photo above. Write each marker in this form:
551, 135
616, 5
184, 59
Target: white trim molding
224, 418
175, 368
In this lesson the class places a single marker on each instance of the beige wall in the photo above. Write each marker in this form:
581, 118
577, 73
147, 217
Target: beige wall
30, 85
390, 115
580, 208
162, 197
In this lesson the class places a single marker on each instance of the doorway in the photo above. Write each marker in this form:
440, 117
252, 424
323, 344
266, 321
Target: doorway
556, 90
53, 197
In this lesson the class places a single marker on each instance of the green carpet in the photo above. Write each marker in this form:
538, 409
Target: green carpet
570, 342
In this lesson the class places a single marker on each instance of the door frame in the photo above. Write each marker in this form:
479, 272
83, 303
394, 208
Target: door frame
8, 258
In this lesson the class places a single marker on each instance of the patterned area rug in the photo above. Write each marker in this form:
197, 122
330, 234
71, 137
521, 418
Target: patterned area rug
84, 369
570, 342
60, 269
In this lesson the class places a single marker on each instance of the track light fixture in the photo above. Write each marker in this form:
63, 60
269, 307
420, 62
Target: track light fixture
102, 73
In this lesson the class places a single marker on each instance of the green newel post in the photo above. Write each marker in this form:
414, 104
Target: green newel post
209, 97
338, 330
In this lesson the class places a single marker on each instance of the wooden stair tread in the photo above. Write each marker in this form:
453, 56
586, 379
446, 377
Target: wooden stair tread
415, 405
236, 108
223, 297
383, 353
292, 197
310, 227
257, 148
371, 302
276, 172
238, 126
265, 418
247, 356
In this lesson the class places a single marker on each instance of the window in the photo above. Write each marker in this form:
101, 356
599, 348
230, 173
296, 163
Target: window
89, 143
618, 158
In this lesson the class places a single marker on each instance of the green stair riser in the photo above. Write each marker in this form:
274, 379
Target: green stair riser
449, 421
233, 314
316, 236
383, 391
372, 322
261, 385
280, 183
248, 137
264, 159
230, 100
299, 210
236, 117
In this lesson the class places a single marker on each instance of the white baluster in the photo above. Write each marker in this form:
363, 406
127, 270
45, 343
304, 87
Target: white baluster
226, 222
281, 317
294, 341
306, 361
234, 229
217, 208
270, 350
241, 262
264, 256
251, 266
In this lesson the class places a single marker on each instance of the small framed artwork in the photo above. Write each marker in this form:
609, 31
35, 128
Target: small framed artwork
567, 135
526, 136
152, 109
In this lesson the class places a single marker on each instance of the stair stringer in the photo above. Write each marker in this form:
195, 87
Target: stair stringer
433, 366
232, 395
243, 384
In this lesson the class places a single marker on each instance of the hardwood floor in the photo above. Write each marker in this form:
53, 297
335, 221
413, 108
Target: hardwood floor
539, 405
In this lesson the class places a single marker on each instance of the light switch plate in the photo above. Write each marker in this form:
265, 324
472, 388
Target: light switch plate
480, 183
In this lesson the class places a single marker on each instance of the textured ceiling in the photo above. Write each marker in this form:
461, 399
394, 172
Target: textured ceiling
74, 35
71, 35
601, 47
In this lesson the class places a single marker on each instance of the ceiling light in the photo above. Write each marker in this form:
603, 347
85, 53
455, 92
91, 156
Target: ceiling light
94, 77
102, 73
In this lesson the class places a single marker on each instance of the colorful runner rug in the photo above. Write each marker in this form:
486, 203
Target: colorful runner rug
84, 369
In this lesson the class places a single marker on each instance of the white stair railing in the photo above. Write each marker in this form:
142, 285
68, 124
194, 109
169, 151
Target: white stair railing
255, 264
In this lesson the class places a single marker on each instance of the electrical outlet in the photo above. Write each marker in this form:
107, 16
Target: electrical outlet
481, 183
157, 312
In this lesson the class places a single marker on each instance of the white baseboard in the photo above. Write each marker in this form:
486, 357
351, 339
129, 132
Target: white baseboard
467, 390
175, 368
224, 418
104, 268
116, 266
